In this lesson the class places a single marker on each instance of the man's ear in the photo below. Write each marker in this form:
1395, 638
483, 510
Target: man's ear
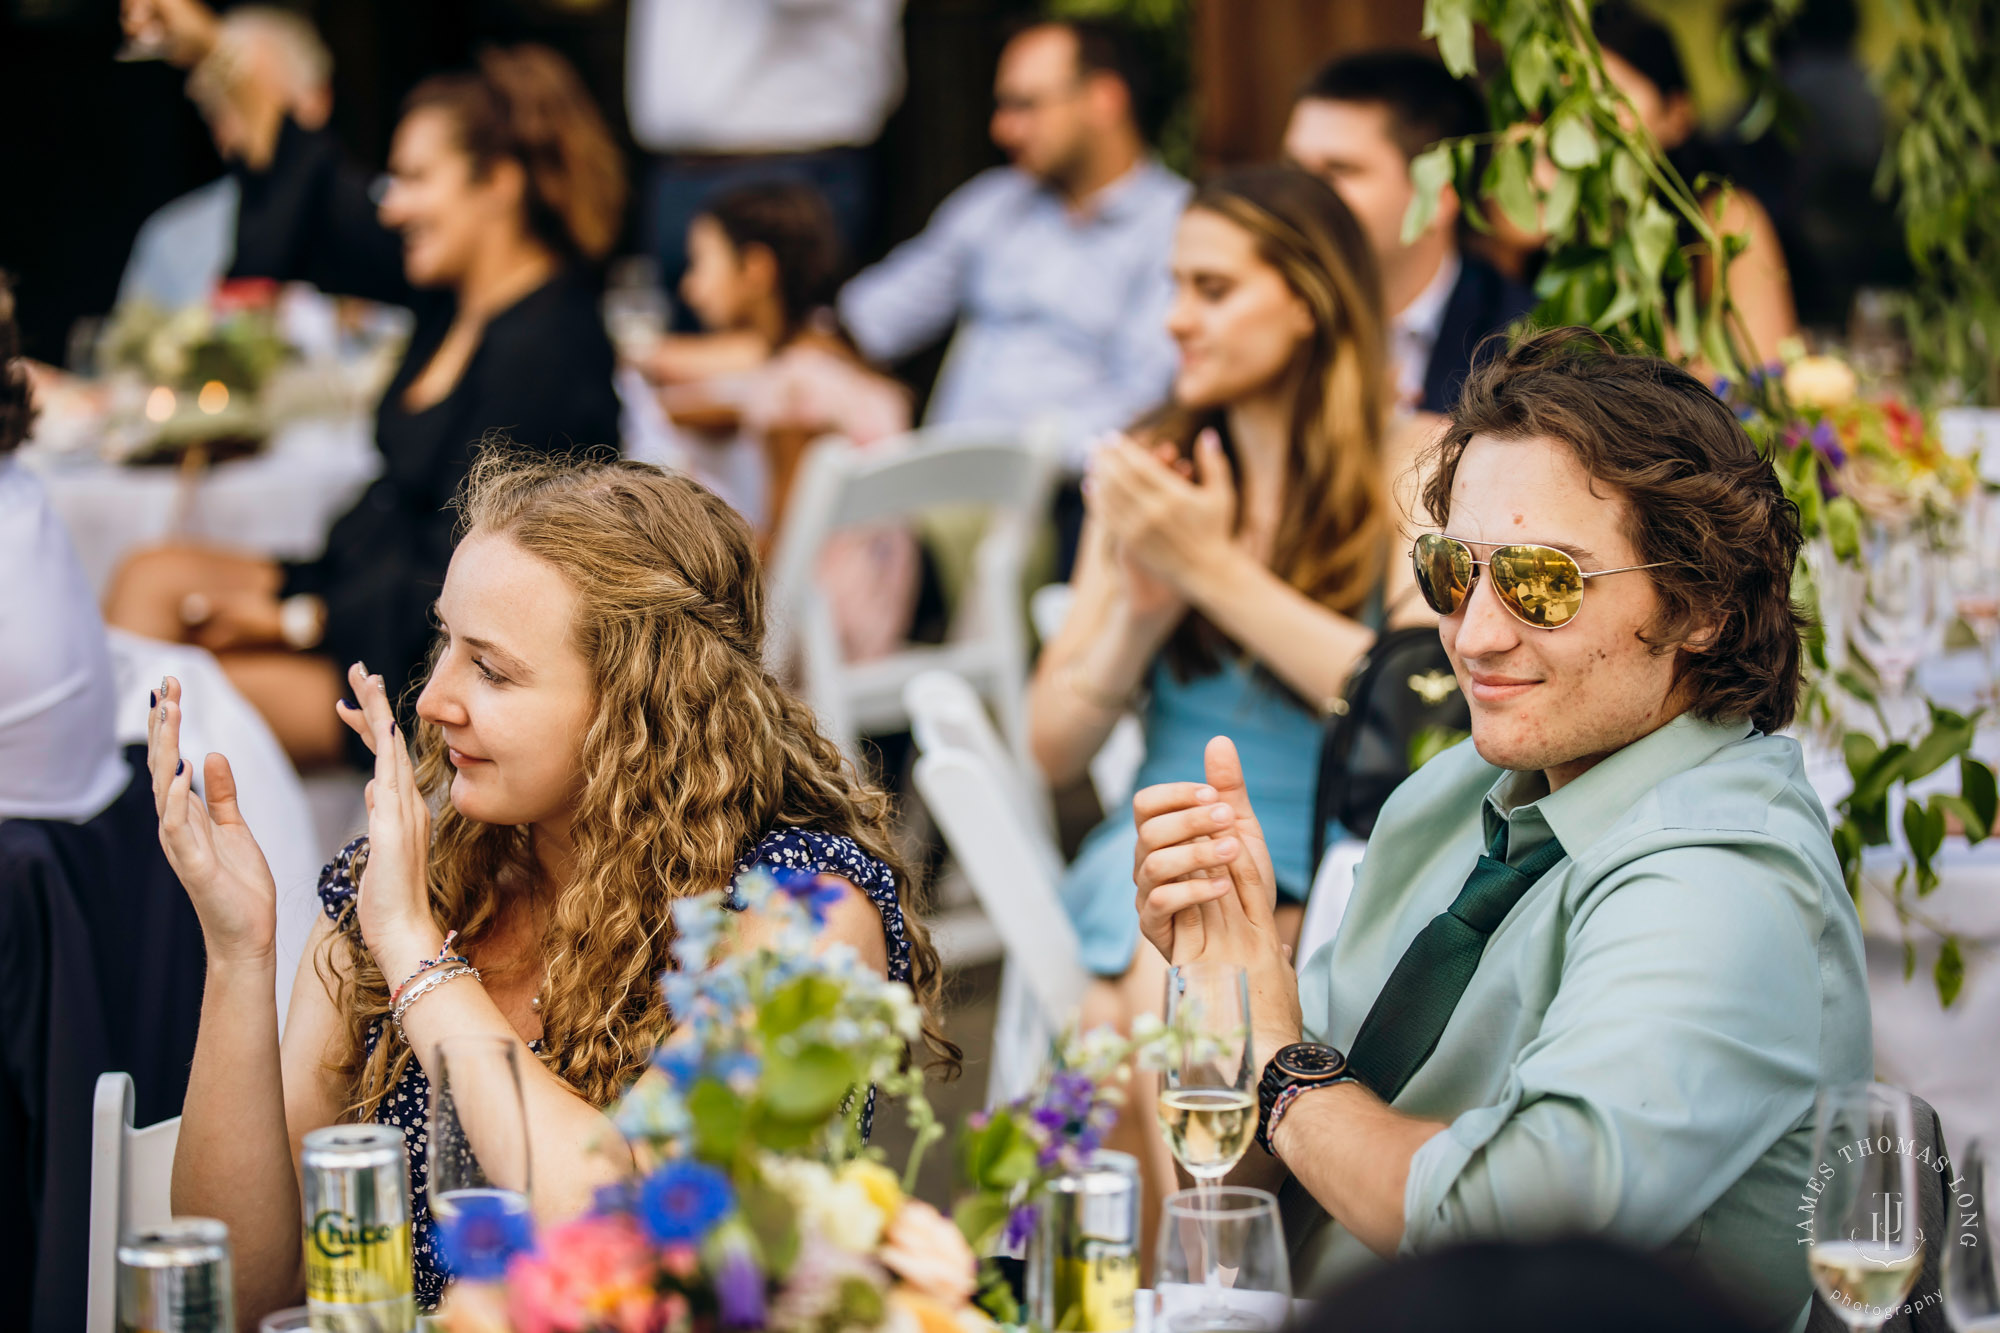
759, 265
1110, 99
1702, 637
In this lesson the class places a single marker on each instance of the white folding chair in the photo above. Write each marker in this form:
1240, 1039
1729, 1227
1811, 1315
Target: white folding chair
131, 1182
1114, 769
984, 808
1009, 474
216, 717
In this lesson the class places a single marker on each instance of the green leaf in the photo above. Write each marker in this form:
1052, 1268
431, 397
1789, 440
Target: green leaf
1430, 172
1653, 236
1000, 1156
1871, 786
1628, 178
807, 1085
1923, 826
1976, 787
797, 1003
1559, 206
1513, 188
1843, 527
718, 1120
1450, 22
1859, 749
1533, 69
1573, 142
1909, 961
1847, 846
769, 1215
1949, 972
1430, 742
1946, 741
980, 1218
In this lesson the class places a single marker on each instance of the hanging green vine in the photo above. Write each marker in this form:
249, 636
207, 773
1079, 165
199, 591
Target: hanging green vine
1573, 163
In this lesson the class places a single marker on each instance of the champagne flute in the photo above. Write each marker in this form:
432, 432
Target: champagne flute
1222, 1263
1973, 569
478, 1128
1208, 1109
1867, 1246
1971, 1269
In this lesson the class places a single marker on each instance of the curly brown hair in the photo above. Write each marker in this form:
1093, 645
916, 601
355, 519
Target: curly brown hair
694, 752
527, 103
1700, 500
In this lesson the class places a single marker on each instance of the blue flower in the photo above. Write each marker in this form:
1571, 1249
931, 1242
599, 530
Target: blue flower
680, 1061
815, 892
482, 1233
739, 1291
682, 1201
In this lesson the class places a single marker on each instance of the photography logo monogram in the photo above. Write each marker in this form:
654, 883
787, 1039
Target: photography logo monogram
1870, 1269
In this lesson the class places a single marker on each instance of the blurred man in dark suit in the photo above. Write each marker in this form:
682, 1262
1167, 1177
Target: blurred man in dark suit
1358, 123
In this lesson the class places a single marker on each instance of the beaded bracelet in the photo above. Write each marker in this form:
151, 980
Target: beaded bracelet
444, 955
428, 984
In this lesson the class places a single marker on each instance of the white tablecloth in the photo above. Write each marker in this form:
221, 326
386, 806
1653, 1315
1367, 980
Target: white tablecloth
279, 503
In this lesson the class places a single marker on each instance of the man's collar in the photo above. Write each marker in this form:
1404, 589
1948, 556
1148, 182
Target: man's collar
1424, 316
1585, 807
1110, 201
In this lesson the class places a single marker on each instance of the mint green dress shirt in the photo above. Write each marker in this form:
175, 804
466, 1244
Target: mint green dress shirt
1638, 1052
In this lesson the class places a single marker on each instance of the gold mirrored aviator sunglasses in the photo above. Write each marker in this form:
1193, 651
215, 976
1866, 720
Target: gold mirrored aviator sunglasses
1539, 585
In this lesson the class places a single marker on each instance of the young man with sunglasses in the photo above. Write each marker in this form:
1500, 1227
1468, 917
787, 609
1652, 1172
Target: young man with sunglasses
1597, 961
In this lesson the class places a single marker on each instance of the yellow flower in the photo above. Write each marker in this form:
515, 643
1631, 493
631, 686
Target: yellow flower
1819, 381
877, 1181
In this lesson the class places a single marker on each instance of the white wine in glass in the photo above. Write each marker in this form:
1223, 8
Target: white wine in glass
1208, 1108
1867, 1241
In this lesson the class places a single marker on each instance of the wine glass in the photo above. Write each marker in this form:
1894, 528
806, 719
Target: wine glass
1896, 619
1973, 570
636, 307
1867, 1245
478, 1127
1222, 1263
1208, 1109
1971, 1270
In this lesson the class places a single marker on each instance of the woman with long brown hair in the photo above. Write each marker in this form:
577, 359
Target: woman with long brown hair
1232, 564
505, 186
598, 737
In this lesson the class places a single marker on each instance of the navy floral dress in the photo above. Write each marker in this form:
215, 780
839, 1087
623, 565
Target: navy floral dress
408, 1104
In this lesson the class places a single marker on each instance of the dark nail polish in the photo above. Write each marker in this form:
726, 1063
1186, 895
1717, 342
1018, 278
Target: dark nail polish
179, 764
152, 698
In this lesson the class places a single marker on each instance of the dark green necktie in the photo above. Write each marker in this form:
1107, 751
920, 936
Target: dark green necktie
1408, 1017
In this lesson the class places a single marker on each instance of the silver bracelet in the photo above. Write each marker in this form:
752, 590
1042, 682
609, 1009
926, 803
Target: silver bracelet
302, 621
427, 984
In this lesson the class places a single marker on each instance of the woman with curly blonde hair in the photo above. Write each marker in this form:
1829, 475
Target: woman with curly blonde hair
598, 737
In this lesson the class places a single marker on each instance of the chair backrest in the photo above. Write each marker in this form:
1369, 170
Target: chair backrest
1007, 474
946, 713
131, 1181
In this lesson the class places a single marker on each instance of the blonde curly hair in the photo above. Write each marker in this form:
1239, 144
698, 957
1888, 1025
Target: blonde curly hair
694, 752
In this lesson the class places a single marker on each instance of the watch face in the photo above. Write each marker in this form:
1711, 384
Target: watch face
1310, 1061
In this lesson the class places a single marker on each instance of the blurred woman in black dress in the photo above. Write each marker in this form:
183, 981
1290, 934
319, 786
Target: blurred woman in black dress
504, 186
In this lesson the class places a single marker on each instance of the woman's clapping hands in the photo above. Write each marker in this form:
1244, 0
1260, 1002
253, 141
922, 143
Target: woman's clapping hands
1165, 515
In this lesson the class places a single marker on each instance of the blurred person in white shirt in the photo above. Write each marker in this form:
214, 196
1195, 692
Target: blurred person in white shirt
731, 94
186, 246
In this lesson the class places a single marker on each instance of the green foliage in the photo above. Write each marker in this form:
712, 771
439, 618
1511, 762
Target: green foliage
1942, 84
1625, 237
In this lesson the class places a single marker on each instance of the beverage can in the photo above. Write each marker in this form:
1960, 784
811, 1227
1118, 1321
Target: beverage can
357, 1230
1083, 1269
176, 1278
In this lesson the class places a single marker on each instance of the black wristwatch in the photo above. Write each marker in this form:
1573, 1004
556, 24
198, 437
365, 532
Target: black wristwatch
1301, 1066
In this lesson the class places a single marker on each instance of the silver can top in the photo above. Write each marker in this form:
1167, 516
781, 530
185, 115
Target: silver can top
183, 1242
353, 1145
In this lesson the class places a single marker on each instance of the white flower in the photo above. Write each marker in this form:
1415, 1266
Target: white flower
841, 1211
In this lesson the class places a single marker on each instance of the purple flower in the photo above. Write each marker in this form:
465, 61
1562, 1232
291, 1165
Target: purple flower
482, 1233
682, 1201
739, 1291
1020, 1226
619, 1197
1828, 444
815, 892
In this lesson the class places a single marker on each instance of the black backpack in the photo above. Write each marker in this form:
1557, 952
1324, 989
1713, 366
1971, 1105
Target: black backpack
1402, 705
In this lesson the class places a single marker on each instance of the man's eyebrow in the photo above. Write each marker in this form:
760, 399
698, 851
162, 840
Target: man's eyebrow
1583, 555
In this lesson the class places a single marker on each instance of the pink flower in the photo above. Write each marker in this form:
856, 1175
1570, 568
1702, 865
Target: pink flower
927, 1250
595, 1272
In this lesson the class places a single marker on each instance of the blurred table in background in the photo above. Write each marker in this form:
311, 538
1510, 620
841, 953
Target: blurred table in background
279, 502
1943, 1055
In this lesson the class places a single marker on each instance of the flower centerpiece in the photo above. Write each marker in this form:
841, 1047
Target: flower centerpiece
756, 1203
202, 369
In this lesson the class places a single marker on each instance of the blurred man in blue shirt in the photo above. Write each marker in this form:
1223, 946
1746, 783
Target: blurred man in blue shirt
1054, 269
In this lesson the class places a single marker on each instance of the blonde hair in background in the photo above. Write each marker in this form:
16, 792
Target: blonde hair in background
1336, 511
694, 751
